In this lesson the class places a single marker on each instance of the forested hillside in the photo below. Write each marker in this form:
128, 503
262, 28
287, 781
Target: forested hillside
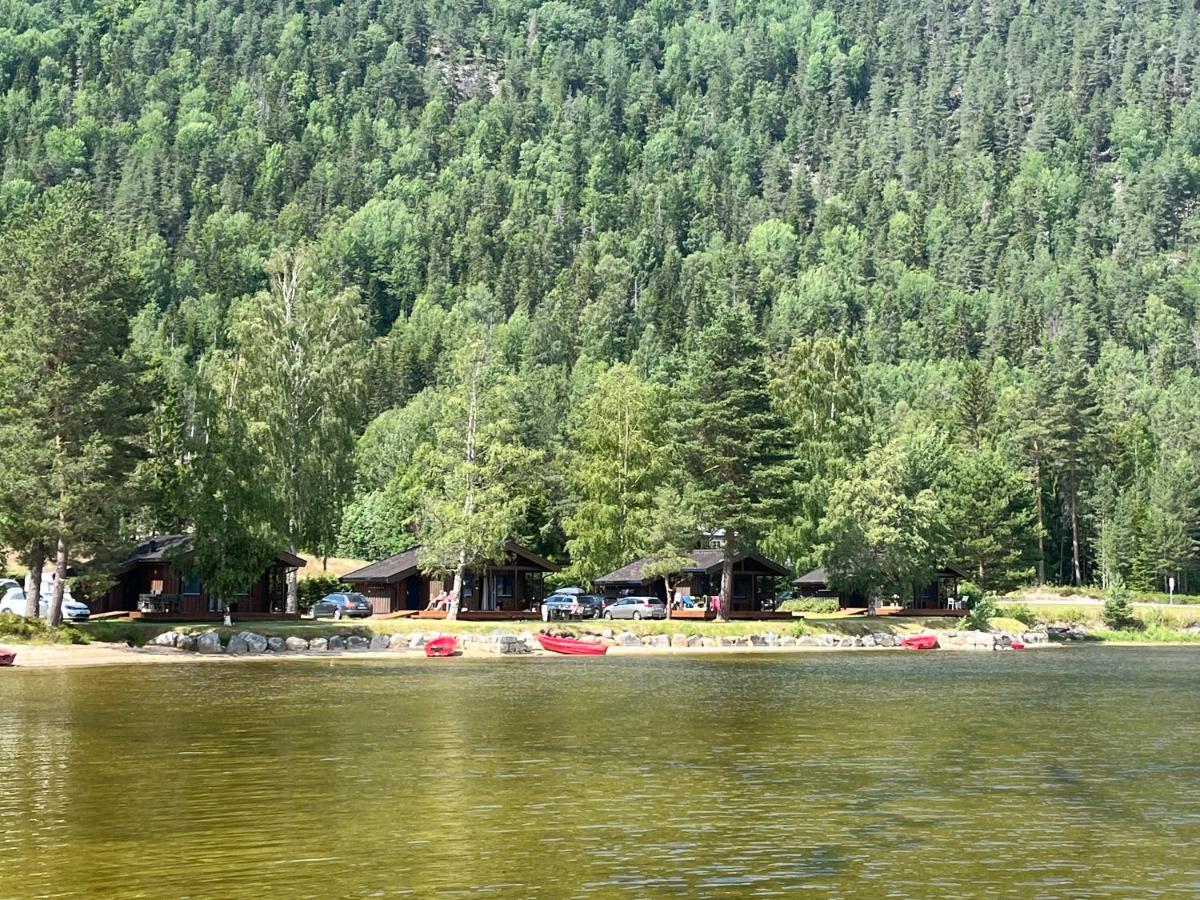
942, 255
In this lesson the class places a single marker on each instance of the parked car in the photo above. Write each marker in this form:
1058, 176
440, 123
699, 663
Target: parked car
585, 606
13, 601
12, 598
72, 609
352, 606
636, 608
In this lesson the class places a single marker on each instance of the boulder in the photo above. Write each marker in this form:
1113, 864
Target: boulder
758, 640
787, 641
694, 640
255, 643
828, 640
868, 640
628, 639
660, 640
185, 641
607, 633
237, 645
295, 644
208, 642
276, 644
846, 640
398, 642
337, 642
512, 644
1034, 637
679, 641
416, 641
710, 642
806, 640
354, 642
166, 639
380, 642
318, 644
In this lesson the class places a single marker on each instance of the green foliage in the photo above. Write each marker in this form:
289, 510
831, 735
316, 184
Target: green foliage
980, 612
35, 630
810, 604
1118, 607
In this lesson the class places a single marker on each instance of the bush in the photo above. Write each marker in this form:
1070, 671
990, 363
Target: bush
969, 591
1021, 612
22, 629
980, 612
810, 604
1118, 607
313, 588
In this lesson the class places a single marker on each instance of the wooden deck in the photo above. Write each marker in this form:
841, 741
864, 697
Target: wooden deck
738, 615
482, 615
205, 617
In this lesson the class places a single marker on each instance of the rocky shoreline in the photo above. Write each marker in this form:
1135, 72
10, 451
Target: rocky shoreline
249, 643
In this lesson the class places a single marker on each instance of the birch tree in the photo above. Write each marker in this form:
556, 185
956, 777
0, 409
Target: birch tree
300, 348
478, 468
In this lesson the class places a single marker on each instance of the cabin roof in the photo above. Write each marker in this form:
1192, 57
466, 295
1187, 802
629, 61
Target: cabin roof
170, 547
706, 561
818, 578
403, 564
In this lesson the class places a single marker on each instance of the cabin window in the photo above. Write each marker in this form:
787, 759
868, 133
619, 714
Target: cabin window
191, 583
504, 585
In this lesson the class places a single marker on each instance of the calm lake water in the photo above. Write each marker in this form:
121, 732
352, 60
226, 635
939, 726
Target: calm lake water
1073, 773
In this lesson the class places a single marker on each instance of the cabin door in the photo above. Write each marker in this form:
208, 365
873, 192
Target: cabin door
412, 593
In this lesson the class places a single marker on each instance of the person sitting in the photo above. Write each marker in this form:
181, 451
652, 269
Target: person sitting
441, 603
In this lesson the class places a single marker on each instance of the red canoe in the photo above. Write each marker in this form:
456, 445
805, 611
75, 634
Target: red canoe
443, 646
920, 642
7, 657
571, 646
1017, 645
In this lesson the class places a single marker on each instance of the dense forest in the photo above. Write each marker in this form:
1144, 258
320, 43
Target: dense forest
866, 284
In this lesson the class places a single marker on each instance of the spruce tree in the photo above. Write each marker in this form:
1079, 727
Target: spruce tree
735, 449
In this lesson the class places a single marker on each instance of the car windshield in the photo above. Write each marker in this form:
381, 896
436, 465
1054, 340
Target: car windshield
360, 598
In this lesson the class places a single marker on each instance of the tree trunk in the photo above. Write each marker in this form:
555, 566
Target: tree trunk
33, 580
54, 606
1041, 520
1073, 491
726, 577
456, 593
293, 588
667, 587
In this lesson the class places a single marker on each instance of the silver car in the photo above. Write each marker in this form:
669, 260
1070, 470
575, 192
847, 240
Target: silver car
636, 608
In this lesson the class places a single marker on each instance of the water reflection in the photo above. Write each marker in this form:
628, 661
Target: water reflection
845, 775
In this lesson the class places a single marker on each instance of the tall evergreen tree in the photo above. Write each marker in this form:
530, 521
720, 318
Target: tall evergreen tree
735, 449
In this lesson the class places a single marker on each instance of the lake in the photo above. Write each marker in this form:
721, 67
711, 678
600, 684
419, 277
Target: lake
1068, 773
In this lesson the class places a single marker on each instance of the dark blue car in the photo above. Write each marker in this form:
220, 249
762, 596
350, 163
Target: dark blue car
352, 606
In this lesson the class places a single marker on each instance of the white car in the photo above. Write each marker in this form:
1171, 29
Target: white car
13, 600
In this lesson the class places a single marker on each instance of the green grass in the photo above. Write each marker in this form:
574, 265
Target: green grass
1153, 634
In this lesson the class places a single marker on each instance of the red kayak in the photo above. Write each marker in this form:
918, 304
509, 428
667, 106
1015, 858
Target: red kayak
920, 642
571, 646
443, 646
1017, 645
7, 657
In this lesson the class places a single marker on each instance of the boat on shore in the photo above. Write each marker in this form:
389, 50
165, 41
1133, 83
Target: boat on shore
571, 646
920, 642
442, 646
7, 657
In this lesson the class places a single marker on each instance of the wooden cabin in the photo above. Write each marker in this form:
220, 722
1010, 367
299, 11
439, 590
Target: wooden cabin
396, 584
155, 581
936, 597
754, 578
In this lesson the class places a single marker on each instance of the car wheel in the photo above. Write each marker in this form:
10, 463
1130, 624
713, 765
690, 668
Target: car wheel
608, 616
637, 615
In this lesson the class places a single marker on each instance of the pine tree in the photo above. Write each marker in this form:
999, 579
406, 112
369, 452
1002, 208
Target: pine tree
735, 449
68, 423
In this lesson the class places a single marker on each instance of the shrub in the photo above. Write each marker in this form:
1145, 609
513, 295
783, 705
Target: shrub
1118, 606
1019, 611
313, 588
969, 591
23, 629
980, 612
810, 604
799, 629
